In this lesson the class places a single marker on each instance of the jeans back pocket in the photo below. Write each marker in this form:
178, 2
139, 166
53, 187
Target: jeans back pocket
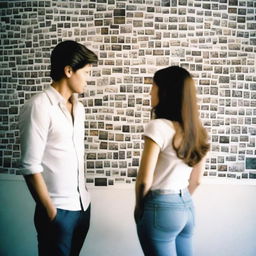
169, 219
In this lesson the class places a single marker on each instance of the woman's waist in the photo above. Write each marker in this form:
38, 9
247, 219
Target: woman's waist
168, 197
171, 182
169, 191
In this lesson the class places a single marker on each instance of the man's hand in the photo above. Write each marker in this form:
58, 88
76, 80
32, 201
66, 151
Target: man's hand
39, 191
51, 213
137, 213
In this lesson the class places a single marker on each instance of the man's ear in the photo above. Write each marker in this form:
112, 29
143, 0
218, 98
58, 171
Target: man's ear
68, 71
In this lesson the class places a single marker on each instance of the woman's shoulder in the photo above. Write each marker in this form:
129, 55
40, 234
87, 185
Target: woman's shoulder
161, 123
161, 131
161, 126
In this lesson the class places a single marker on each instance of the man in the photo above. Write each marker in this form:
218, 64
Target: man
52, 153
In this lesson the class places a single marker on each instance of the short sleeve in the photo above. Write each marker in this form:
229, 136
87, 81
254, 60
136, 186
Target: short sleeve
156, 131
161, 131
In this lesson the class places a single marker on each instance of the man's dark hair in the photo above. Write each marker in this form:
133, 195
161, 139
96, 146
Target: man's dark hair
70, 53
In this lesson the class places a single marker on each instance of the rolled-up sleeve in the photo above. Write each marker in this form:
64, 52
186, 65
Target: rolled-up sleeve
34, 123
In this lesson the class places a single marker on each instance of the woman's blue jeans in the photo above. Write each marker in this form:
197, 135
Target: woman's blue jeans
167, 224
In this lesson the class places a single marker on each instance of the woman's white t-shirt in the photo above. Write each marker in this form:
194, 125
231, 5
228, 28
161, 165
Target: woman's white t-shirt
171, 173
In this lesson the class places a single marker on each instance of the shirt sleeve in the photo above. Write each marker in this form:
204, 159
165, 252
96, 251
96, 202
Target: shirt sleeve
33, 124
154, 130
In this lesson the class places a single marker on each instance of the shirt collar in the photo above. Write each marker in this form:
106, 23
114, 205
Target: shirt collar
56, 98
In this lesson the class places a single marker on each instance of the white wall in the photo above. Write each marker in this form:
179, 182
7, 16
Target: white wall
226, 221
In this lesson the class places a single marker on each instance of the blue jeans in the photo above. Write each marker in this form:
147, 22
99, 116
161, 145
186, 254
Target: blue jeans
65, 235
167, 224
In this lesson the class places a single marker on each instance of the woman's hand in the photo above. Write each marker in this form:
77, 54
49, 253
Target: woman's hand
196, 175
145, 175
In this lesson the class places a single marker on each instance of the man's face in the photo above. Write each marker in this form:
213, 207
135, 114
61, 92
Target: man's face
78, 79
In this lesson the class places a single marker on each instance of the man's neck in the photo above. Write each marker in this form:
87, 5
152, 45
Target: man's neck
62, 88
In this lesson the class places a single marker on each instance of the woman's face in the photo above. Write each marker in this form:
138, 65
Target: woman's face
154, 95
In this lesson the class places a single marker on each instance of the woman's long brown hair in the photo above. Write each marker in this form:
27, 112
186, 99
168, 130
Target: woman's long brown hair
177, 102
194, 144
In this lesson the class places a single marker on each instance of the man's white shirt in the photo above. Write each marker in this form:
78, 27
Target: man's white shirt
52, 143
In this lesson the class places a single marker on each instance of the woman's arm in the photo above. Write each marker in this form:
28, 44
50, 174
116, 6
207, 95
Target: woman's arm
196, 175
146, 172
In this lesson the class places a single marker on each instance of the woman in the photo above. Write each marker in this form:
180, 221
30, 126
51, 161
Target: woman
171, 166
